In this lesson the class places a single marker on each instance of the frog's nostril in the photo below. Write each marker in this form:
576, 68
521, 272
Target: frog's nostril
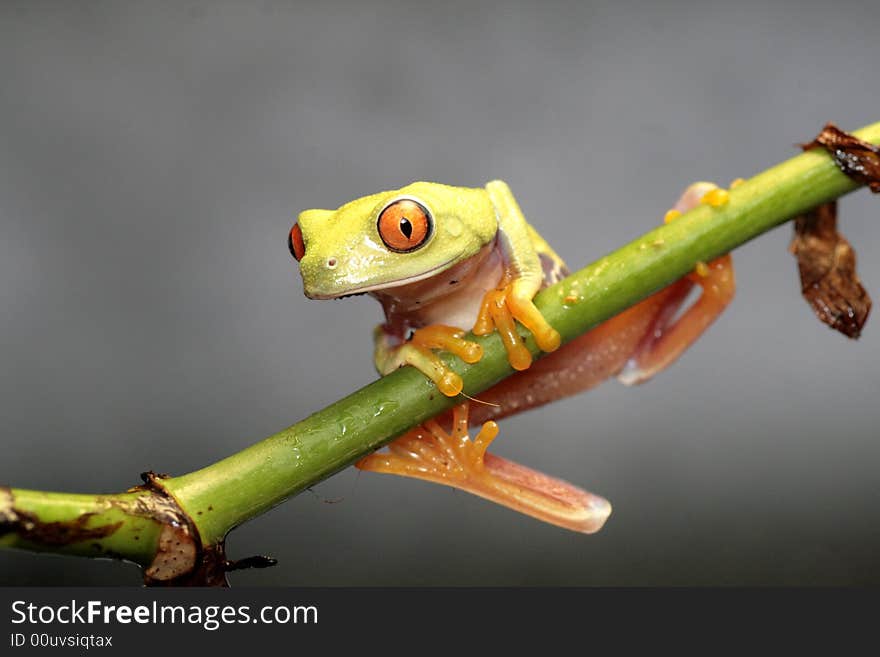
331, 263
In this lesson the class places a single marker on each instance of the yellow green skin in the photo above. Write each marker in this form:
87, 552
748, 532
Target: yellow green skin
479, 236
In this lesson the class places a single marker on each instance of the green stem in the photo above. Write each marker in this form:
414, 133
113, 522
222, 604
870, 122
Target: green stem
226, 494
84, 525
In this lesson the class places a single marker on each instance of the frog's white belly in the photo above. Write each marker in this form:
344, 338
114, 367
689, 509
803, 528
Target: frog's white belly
452, 297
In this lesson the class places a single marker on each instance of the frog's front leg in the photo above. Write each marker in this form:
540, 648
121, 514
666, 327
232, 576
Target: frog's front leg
452, 458
418, 352
523, 277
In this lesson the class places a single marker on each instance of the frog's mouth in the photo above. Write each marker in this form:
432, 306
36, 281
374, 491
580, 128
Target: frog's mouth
376, 287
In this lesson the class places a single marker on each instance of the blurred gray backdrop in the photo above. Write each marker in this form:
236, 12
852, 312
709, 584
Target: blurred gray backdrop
154, 155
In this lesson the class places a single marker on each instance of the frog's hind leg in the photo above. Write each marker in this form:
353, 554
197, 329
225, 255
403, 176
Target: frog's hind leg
669, 338
452, 458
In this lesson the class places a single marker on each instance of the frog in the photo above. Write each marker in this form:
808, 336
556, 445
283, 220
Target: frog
442, 260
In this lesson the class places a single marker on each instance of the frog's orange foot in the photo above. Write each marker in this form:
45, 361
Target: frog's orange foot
451, 458
419, 353
500, 308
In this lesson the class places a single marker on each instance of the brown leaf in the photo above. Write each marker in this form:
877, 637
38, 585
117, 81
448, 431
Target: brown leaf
858, 159
827, 265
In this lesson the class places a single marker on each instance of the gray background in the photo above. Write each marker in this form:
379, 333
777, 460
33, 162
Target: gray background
153, 156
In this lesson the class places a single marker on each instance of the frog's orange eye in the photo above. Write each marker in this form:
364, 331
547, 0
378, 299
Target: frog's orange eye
405, 225
295, 242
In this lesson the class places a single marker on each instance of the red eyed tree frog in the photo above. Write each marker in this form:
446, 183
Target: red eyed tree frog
442, 259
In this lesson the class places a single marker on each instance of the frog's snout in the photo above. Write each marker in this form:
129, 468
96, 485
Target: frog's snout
319, 277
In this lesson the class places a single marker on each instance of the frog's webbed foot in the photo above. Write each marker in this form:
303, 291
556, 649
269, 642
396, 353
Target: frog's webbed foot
419, 353
668, 337
508, 302
452, 458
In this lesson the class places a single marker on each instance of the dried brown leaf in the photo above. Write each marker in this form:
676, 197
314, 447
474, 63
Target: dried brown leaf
858, 159
827, 265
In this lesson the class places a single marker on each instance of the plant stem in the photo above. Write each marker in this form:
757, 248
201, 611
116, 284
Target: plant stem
226, 494
84, 525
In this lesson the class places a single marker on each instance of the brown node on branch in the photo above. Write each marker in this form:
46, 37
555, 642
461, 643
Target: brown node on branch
179, 550
858, 159
827, 265
181, 558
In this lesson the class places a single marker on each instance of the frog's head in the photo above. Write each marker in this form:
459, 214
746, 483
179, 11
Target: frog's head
391, 238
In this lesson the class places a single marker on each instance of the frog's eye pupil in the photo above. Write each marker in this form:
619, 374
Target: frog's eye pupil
405, 225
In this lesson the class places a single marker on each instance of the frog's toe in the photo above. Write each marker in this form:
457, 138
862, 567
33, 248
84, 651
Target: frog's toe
448, 338
495, 314
693, 195
429, 364
419, 353
500, 308
524, 310
452, 458
701, 193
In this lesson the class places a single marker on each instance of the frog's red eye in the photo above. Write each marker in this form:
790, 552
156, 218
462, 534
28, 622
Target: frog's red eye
295, 242
405, 225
